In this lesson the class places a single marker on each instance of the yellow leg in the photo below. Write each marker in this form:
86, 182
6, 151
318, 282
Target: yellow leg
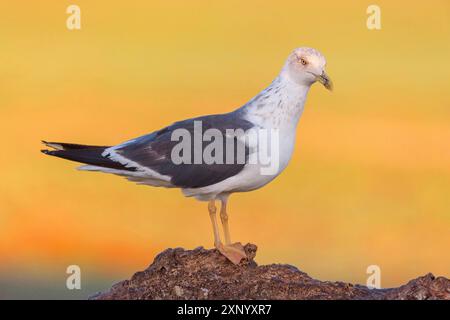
212, 214
224, 219
233, 251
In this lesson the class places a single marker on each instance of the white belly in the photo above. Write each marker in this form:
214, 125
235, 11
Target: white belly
254, 175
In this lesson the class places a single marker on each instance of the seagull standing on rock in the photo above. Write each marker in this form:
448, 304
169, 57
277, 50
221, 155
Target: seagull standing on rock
211, 170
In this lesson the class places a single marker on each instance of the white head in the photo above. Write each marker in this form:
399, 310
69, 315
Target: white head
306, 66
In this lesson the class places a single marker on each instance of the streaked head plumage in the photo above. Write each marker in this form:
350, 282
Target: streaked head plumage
306, 66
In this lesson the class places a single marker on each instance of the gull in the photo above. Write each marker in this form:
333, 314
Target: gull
150, 160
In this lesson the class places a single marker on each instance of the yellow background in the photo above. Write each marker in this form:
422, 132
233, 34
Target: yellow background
369, 182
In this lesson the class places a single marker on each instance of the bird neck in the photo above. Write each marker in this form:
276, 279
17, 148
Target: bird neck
280, 105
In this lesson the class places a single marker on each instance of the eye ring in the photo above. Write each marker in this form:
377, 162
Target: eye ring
303, 61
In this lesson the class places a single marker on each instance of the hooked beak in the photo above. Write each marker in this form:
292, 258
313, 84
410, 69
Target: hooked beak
325, 80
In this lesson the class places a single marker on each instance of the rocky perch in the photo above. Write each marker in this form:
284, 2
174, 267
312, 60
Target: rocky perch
206, 274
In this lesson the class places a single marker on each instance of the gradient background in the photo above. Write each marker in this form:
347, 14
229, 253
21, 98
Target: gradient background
369, 182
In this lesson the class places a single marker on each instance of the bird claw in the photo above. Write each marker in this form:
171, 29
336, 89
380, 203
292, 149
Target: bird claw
234, 252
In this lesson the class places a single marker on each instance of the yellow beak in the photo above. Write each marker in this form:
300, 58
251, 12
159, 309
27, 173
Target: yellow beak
325, 80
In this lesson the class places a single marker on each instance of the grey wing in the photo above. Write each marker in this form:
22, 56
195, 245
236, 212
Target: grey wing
154, 152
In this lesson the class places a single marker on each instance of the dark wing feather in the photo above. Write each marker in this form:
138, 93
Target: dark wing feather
153, 151
91, 155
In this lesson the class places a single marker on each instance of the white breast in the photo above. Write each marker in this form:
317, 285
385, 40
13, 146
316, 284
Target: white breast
276, 109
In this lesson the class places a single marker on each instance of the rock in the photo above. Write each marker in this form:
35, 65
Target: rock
206, 274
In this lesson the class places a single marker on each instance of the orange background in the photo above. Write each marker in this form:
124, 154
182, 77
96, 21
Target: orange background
369, 182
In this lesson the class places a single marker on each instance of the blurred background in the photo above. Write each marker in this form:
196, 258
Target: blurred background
369, 182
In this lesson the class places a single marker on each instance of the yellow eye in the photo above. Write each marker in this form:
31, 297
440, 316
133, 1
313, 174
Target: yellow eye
303, 61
